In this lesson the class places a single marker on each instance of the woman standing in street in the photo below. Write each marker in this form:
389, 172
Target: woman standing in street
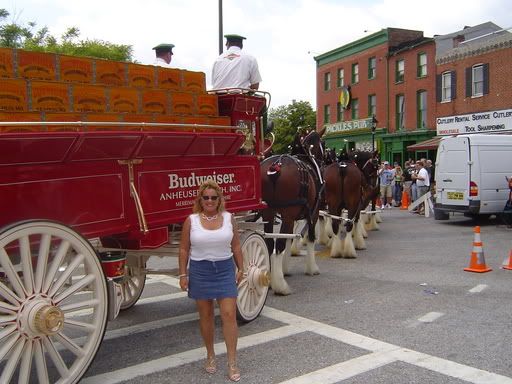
209, 254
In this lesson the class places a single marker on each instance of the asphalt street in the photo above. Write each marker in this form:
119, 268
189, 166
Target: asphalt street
404, 311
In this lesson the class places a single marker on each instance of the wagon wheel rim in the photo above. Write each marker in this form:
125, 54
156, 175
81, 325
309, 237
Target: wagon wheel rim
132, 284
53, 303
253, 289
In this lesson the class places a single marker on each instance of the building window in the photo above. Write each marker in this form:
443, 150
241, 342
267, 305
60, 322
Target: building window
446, 86
372, 105
355, 109
339, 112
372, 67
477, 80
422, 64
421, 100
355, 73
340, 82
399, 71
327, 81
327, 114
400, 112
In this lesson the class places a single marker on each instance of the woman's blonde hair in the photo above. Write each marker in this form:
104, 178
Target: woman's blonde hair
209, 184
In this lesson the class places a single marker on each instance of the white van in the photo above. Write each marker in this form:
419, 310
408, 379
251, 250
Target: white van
471, 173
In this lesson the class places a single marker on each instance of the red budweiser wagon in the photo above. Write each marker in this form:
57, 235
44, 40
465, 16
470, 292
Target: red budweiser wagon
84, 204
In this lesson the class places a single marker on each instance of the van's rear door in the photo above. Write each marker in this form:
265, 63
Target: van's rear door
452, 172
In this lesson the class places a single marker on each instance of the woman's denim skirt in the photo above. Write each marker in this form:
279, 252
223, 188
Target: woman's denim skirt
208, 280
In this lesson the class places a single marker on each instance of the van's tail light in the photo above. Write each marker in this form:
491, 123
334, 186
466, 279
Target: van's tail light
473, 189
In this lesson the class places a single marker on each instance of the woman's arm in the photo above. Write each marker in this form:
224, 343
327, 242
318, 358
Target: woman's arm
237, 250
184, 254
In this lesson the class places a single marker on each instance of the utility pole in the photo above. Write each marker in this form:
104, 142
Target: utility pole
221, 38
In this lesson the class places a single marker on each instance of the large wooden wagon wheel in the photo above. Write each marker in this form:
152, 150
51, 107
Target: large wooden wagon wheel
53, 303
253, 289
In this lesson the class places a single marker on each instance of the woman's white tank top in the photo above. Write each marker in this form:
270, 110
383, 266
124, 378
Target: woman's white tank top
210, 244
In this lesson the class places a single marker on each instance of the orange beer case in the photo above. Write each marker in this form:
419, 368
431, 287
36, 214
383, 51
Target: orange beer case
110, 72
168, 78
13, 95
6, 62
36, 65
75, 69
141, 75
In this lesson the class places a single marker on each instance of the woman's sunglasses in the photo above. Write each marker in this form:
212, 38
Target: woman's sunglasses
210, 198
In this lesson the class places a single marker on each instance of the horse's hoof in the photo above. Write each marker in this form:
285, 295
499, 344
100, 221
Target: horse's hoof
283, 293
317, 272
349, 257
336, 256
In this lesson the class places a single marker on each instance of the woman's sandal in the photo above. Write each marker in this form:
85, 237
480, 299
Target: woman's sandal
210, 366
233, 372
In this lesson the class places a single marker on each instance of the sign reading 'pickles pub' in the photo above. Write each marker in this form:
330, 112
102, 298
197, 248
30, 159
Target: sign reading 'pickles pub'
342, 126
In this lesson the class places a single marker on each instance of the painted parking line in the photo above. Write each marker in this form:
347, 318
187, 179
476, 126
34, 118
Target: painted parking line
380, 353
478, 288
430, 317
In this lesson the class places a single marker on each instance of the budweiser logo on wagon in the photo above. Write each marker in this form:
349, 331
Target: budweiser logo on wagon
178, 188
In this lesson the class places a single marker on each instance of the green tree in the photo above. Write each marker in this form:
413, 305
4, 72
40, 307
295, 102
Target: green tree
288, 119
14, 35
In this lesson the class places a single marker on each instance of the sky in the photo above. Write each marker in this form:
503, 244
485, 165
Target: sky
283, 35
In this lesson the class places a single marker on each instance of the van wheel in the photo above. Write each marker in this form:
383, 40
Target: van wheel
441, 215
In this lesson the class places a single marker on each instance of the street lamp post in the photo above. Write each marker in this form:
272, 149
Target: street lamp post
374, 127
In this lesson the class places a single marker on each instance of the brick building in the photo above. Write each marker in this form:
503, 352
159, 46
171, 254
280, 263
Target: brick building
388, 75
474, 93
416, 87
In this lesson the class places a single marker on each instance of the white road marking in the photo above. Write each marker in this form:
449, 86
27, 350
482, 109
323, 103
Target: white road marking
380, 353
187, 357
478, 288
430, 317
350, 368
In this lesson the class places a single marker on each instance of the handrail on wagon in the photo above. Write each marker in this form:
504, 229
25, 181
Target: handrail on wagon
242, 91
111, 123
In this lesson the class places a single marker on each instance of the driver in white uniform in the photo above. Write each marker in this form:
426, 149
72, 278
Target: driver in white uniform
163, 55
235, 68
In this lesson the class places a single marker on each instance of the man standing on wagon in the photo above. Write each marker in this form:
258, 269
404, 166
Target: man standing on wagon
163, 55
235, 68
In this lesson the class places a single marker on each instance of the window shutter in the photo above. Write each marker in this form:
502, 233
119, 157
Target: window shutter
486, 78
454, 84
439, 90
469, 82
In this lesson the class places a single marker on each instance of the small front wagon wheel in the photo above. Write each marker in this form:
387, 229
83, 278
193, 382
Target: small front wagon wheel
253, 289
53, 303
133, 281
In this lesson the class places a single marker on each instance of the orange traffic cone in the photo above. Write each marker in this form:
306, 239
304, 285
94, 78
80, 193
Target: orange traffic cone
477, 263
405, 200
509, 266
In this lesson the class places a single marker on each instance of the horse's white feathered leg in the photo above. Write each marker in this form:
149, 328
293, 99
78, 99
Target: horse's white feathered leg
311, 267
362, 225
286, 257
349, 250
296, 245
277, 281
337, 244
359, 242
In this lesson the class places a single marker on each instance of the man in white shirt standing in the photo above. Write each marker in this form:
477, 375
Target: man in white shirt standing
234, 68
422, 181
163, 55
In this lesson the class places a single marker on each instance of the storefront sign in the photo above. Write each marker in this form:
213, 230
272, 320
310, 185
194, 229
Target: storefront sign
348, 126
481, 122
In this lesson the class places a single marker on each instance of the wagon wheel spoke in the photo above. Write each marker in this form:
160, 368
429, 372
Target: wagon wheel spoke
42, 370
79, 325
7, 344
87, 305
56, 358
69, 344
78, 260
26, 364
13, 361
75, 288
9, 295
26, 264
57, 262
13, 277
42, 260
7, 308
